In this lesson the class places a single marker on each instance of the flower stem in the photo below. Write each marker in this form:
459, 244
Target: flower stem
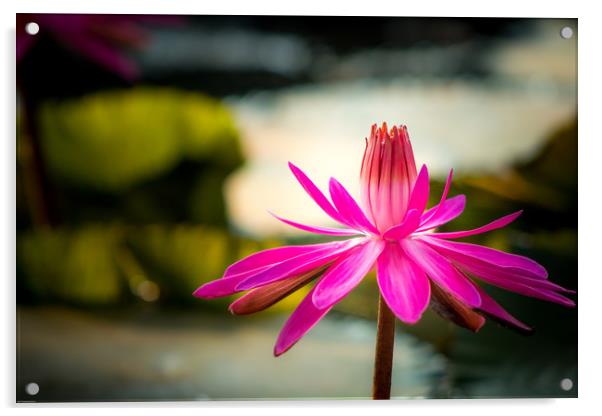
383, 357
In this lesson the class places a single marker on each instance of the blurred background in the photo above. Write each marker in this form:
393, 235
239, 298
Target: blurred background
149, 149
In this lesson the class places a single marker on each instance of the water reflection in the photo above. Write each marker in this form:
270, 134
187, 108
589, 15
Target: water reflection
152, 359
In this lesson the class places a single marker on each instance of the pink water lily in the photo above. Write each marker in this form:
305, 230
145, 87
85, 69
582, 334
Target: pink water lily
392, 230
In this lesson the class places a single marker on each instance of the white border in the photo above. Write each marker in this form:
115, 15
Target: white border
465, 8
590, 340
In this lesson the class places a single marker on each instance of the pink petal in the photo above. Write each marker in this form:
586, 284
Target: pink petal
441, 214
403, 173
537, 288
298, 265
387, 175
383, 201
400, 184
490, 273
304, 318
496, 312
441, 271
264, 297
435, 209
256, 264
408, 155
272, 256
366, 169
315, 193
532, 292
346, 273
348, 208
404, 286
512, 262
499, 223
374, 170
317, 230
420, 193
404, 229
225, 286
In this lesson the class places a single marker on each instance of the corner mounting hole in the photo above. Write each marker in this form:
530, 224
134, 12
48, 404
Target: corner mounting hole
32, 389
566, 384
32, 28
566, 32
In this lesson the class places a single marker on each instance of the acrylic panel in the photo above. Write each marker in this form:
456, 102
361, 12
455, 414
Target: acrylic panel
157, 154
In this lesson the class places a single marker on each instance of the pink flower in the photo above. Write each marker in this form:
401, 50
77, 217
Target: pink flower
393, 231
98, 37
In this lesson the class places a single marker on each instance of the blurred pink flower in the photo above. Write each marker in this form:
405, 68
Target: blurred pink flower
98, 37
394, 232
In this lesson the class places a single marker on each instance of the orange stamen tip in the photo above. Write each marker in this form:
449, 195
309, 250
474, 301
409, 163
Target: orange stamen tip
382, 134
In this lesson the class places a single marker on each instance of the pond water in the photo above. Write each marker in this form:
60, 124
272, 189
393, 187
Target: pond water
146, 355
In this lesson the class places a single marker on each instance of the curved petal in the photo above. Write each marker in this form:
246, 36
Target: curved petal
348, 208
264, 297
404, 229
420, 192
304, 318
403, 173
403, 285
433, 211
450, 308
271, 256
536, 288
317, 230
441, 271
387, 175
346, 273
365, 174
298, 265
225, 286
374, 170
493, 225
490, 273
493, 310
317, 195
451, 209
458, 251
261, 263
383, 201
532, 292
